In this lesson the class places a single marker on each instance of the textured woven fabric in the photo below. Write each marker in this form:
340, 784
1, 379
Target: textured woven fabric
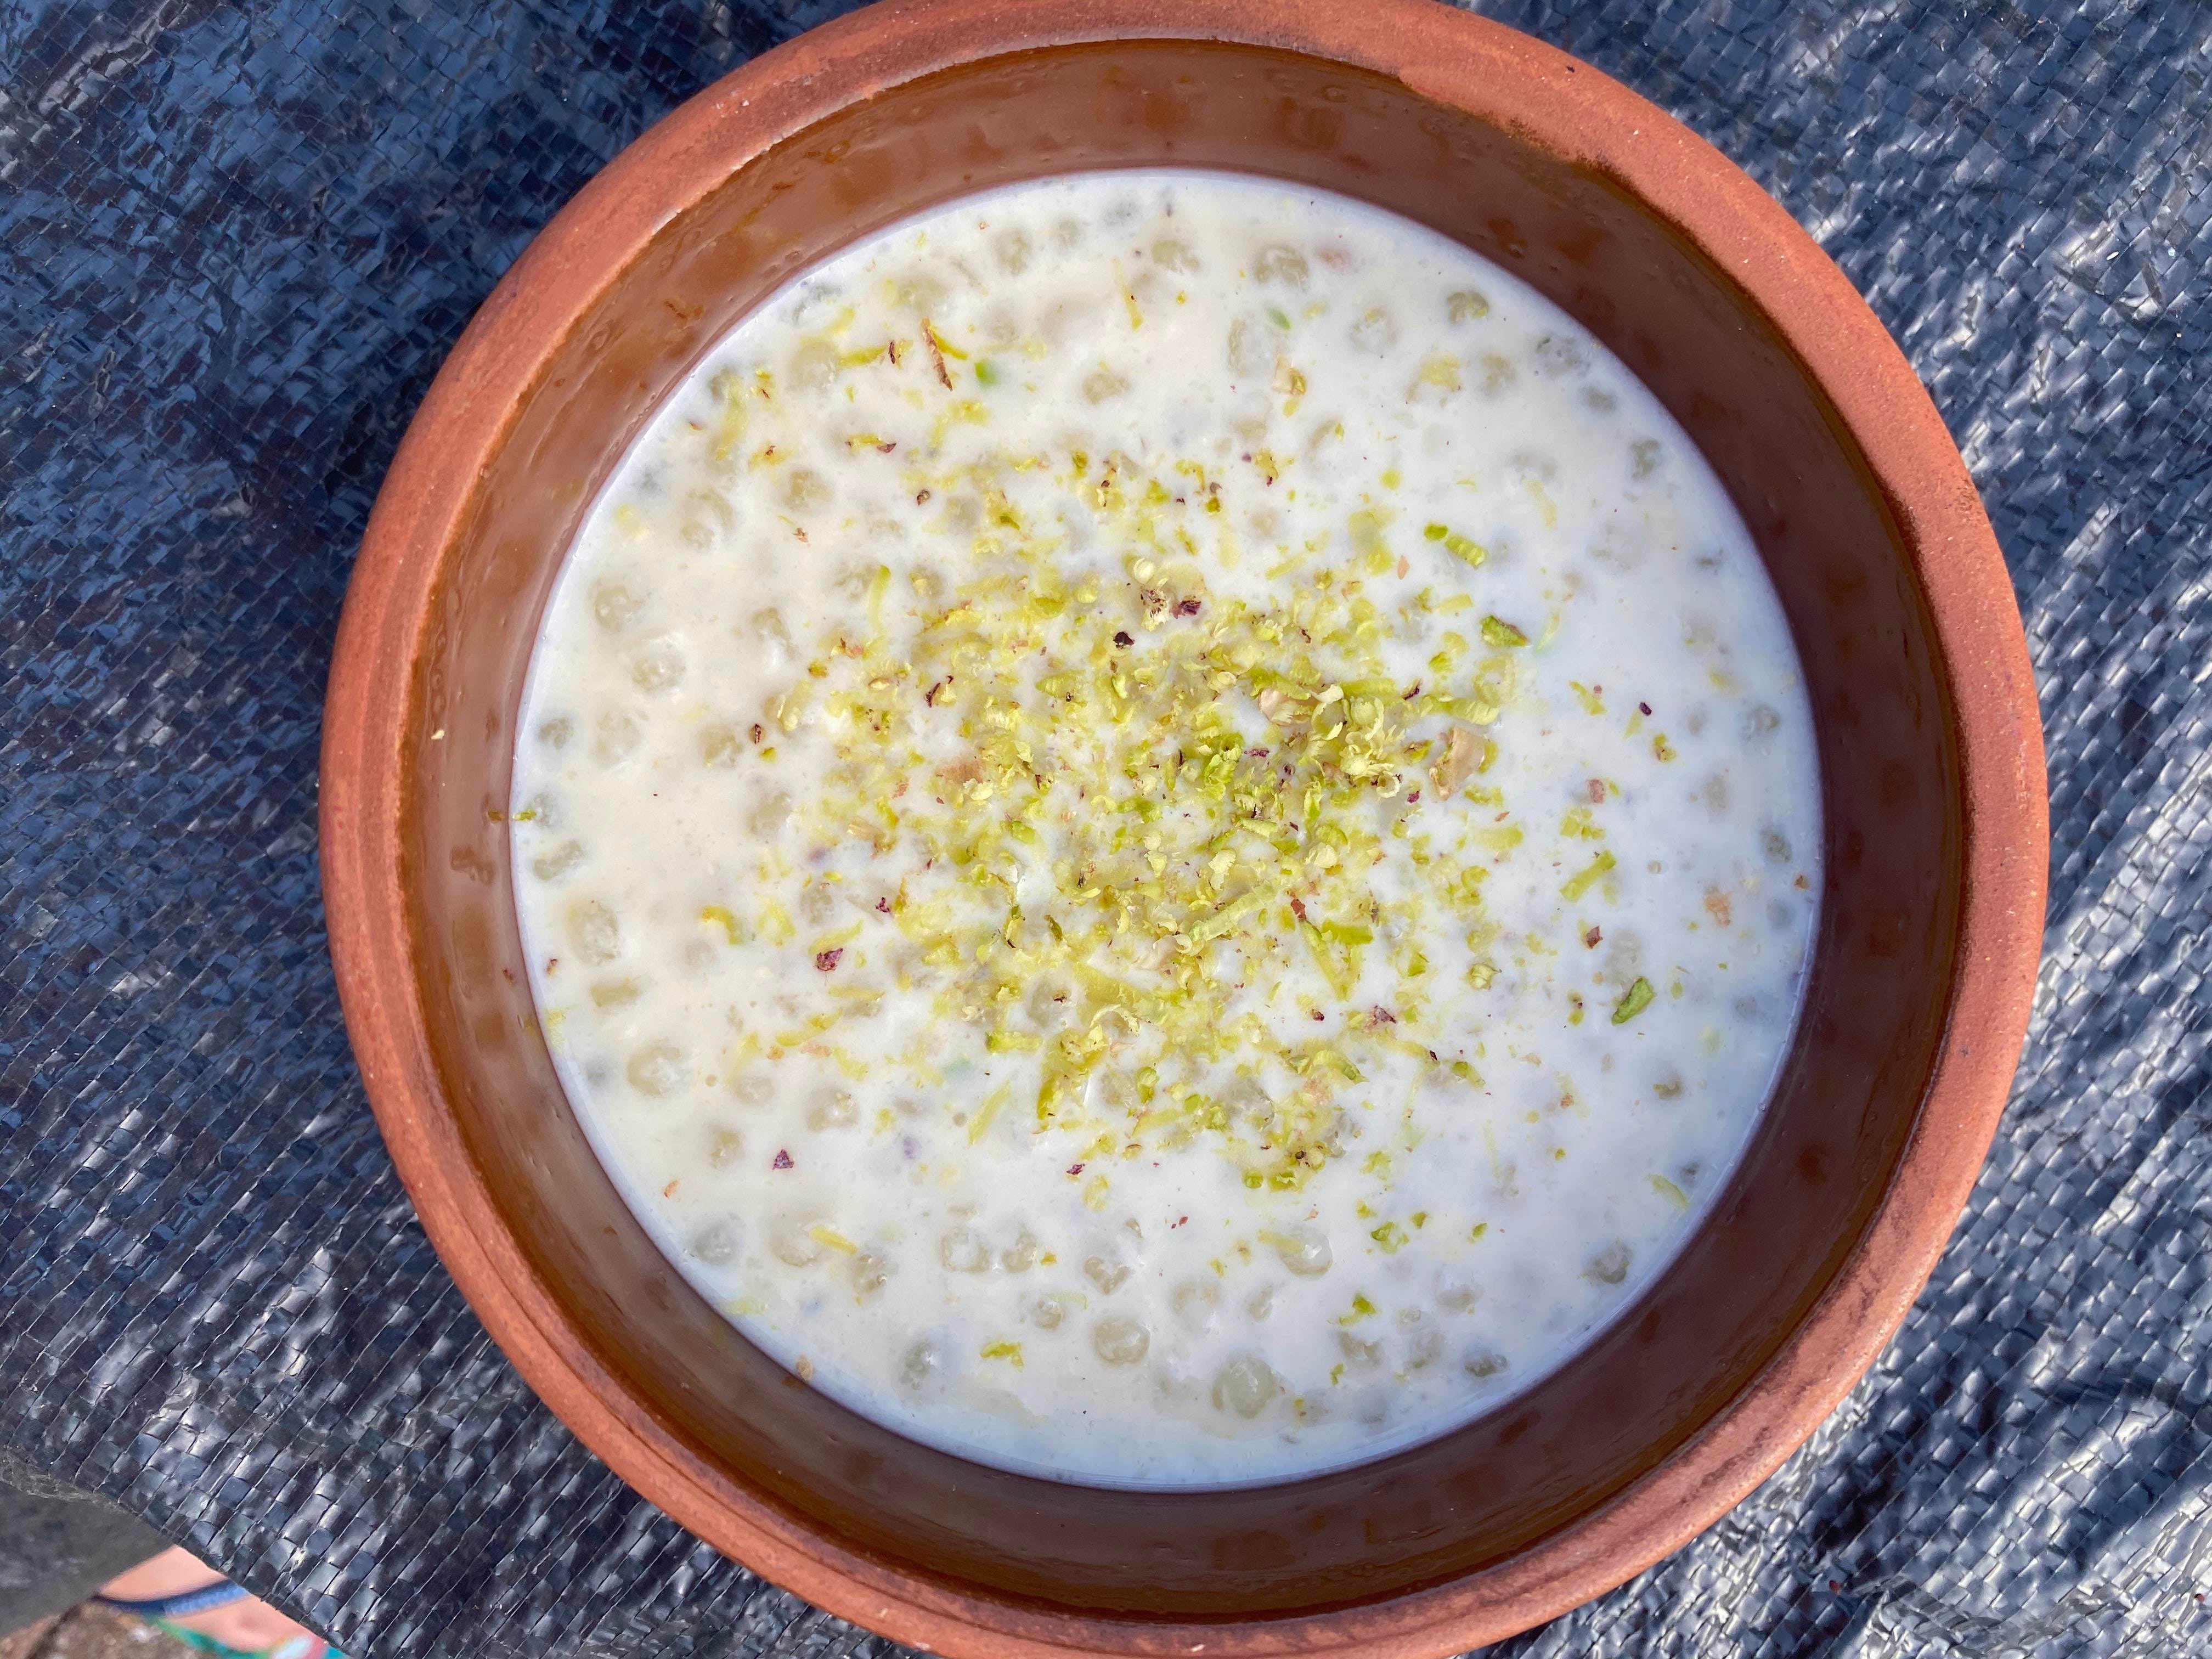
235, 244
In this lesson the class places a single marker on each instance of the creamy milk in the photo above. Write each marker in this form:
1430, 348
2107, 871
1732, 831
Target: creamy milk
1167, 831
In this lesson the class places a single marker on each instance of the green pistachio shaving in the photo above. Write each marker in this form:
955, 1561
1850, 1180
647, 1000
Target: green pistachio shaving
1584, 879
1633, 1001
1465, 549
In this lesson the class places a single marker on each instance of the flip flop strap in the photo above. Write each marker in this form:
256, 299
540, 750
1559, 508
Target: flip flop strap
182, 1605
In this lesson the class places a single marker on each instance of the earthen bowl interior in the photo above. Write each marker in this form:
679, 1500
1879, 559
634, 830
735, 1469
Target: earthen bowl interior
1911, 645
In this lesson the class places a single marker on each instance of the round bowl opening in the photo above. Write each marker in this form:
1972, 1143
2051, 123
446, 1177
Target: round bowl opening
1861, 509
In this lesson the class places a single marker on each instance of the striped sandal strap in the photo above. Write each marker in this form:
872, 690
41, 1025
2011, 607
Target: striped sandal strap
294, 1647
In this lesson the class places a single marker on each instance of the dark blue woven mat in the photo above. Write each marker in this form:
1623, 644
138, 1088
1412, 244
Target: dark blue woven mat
234, 245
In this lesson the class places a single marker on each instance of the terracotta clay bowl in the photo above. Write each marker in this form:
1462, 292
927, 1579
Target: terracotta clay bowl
1930, 750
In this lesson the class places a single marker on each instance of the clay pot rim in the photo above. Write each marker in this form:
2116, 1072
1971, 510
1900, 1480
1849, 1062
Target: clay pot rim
1545, 98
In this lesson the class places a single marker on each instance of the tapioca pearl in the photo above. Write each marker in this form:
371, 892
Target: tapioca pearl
1120, 1340
1761, 722
1359, 1353
1440, 379
1615, 546
1494, 375
657, 665
1609, 1266
752, 1087
712, 507
1483, 1363
615, 738
1260, 1304
724, 1145
1245, 1386
963, 1251
792, 1239
1046, 1313
1775, 845
813, 367
1252, 346
1623, 957
1110, 1090
817, 901
1557, 356
1713, 794
922, 1366
553, 864
1170, 253
615, 992
1281, 266
1599, 401
832, 1108
1645, 457
1047, 1000
767, 624
817, 298
1466, 304
1249, 1100
1375, 331
921, 293
1012, 249
1067, 234
806, 490
715, 1244
595, 931
1304, 1250
554, 733
1455, 1293
657, 1069
1197, 1305
1320, 1406
721, 746
769, 812
1107, 1273
869, 1270
1103, 384
1422, 1345
615, 602
1001, 330
1174, 1385
1022, 1254
1667, 1085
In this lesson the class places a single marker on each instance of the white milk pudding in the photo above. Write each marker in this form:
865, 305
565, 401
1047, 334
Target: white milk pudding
1168, 830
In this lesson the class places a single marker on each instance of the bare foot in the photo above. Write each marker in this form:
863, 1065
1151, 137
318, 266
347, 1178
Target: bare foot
250, 1626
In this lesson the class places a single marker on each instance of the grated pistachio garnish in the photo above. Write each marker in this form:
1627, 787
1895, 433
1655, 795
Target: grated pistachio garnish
1103, 809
